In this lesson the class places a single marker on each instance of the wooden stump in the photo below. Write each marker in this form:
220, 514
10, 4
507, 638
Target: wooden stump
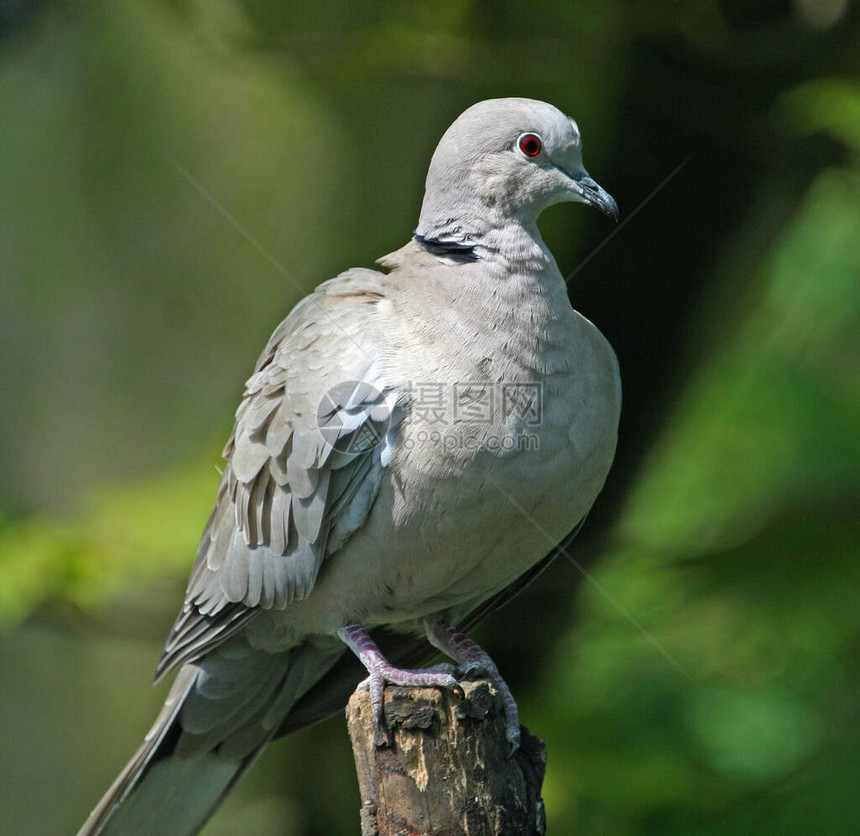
441, 765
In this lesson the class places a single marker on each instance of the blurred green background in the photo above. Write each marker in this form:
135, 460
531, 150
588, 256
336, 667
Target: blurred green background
705, 679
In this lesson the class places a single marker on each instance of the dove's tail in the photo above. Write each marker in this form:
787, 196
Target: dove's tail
214, 723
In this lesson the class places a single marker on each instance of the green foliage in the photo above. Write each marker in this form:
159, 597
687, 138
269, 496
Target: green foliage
830, 105
142, 533
774, 415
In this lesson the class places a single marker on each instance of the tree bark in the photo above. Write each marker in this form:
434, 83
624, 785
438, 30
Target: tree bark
441, 765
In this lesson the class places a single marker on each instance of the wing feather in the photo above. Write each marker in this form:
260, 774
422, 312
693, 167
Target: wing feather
304, 466
279, 519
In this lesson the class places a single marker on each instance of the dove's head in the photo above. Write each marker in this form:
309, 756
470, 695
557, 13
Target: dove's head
505, 160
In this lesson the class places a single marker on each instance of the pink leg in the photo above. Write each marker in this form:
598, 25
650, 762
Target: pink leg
382, 672
471, 657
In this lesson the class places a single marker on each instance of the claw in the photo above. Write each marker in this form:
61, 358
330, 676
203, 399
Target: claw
472, 670
513, 735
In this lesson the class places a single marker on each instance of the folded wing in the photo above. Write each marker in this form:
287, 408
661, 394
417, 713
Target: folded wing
305, 459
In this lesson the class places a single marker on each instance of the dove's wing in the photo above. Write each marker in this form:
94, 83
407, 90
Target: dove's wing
304, 465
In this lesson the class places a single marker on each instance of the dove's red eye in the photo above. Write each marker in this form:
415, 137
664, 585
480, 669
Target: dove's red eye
530, 144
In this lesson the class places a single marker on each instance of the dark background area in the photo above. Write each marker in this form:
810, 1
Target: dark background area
176, 175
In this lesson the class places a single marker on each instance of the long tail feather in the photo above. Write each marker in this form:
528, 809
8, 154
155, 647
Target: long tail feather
218, 716
158, 792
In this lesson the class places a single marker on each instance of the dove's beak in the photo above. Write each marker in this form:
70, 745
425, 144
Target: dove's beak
592, 193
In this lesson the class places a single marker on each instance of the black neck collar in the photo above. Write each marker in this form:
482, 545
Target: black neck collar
454, 250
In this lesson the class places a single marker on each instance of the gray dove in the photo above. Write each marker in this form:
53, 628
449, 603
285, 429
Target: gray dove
409, 445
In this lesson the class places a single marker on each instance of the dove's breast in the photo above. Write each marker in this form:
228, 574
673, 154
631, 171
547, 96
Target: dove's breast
486, 497
506, 444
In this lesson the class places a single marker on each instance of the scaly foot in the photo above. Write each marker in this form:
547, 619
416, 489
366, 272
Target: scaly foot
383, 673
472, 658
